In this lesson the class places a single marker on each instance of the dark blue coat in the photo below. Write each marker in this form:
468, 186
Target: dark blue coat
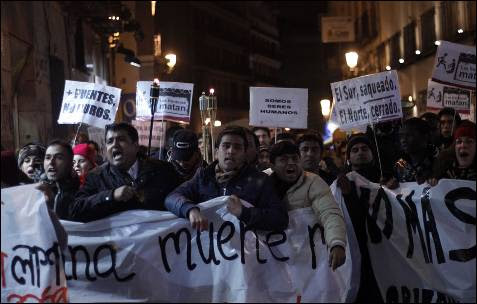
250, 185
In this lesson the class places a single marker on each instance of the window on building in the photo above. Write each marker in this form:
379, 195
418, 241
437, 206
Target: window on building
410, 41
395, 50
365, 26
428, 31
448, 20
381, 56
80, 47
469, 8
357, 29
373, 20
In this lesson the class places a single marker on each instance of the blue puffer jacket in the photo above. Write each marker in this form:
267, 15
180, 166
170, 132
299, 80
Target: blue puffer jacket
250, 185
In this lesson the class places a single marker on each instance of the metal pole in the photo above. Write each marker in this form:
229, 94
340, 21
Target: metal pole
150, 136
205, 143
154, 96
212, 140
76, 135
161, 137
453, 123
377, 150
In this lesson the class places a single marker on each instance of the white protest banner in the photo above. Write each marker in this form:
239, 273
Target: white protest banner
153, 256
279, 107
89, 103
421, 239
440, 96
30, 259
158, 132
175, 101
455, 65
366, 99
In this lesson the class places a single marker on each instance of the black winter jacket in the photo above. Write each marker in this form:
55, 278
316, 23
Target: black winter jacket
249, 184
95, 199
64, 192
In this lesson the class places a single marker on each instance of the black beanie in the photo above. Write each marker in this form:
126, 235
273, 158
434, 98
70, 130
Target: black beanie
281, 148
356, 139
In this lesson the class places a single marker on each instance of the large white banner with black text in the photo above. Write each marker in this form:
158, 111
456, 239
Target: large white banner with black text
421, 244
421, 240
154, 256
31, 266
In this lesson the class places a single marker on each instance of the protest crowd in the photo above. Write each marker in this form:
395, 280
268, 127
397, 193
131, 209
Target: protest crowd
264, 178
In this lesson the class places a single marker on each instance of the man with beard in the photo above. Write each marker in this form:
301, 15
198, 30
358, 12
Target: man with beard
230, 175
264, 158
125, 181
418, 152
59, 183
263, 135
433, 122
448, 122
311, 148
253, 146
301, 189
185, 155
360, 155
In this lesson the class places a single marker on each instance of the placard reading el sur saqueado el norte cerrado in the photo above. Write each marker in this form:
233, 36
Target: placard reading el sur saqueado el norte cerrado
278, 107
366, 99
89, 103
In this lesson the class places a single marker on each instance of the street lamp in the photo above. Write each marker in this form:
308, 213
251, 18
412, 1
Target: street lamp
171, 60
325, 107
208, 113
351, 59
352, 62
162, 64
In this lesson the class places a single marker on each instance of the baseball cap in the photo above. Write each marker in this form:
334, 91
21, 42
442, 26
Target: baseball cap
184, 144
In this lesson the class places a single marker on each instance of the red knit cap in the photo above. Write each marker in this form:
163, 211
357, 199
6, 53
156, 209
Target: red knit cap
85, 151
466, 128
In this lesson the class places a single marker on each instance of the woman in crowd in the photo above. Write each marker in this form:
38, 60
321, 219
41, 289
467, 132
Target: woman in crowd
83, 160
461, 163
30, 161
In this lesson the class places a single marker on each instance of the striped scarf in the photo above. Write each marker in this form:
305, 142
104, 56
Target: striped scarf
224, 177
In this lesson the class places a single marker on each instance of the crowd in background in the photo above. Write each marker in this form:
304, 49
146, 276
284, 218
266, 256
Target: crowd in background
276, 175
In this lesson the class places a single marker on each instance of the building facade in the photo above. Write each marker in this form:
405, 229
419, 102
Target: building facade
228, 46
44, 44
402, 35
